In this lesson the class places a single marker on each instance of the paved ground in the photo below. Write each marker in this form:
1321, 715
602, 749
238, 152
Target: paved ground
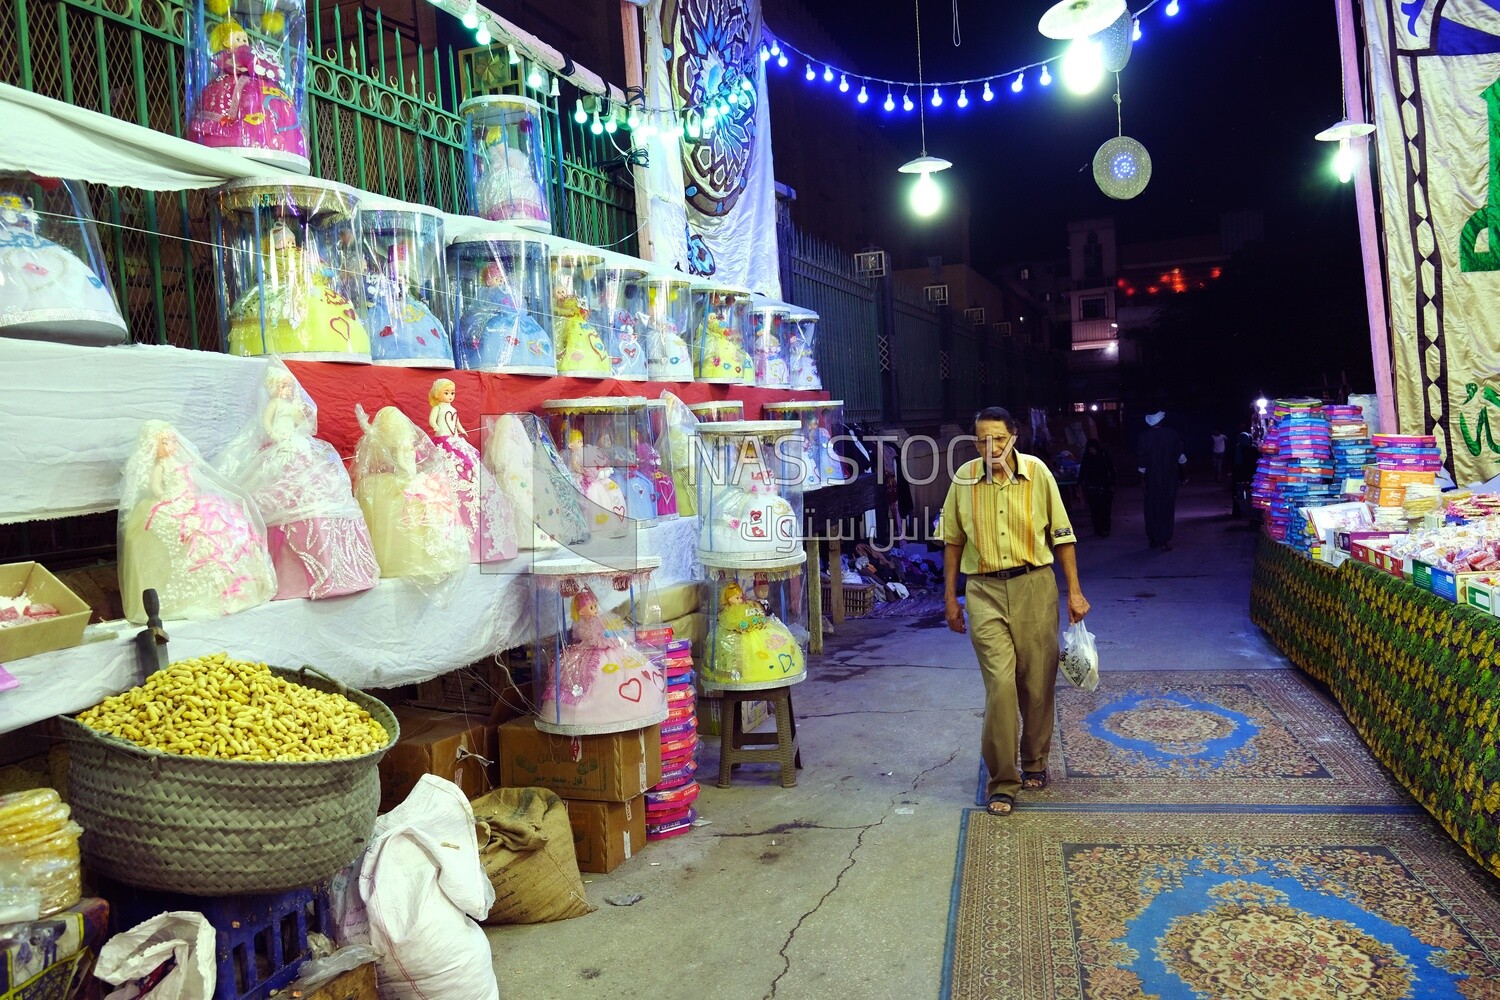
840, 887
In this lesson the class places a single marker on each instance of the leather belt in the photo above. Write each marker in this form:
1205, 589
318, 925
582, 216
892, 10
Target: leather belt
1007, 574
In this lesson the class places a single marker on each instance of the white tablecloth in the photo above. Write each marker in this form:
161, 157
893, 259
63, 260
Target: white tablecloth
387, 637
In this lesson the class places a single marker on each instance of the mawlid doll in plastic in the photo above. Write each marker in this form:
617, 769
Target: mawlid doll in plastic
46, 289
607, 510
498, 333
403, 484
722, 358
580, 351
483, 506
318, 540
661, 483
752, 646
188, 533
510, 453
302, 311
680, 431
600, 681
244, 104
405, 331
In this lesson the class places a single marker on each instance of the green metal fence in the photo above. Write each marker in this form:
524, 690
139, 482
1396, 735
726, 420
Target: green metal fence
824, 281
382, 116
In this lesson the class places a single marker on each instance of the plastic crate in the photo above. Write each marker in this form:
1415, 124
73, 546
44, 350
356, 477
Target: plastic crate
859, 599
260, 941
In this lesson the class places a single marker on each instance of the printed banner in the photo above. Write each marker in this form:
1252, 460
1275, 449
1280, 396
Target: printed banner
1435, 76
712, 193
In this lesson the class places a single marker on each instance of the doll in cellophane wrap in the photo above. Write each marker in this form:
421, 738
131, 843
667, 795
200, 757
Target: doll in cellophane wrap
578, 309
403, 484
675, 444
484, 507
406, 285
591, 675
749, 491
754, 646
502, 295
317, 535
54, 284
188, 533
510, 455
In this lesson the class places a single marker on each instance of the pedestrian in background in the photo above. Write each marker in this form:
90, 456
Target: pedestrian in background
1097, 477
1162, 462
1221, 445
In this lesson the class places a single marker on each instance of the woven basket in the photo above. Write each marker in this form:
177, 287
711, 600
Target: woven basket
209, 827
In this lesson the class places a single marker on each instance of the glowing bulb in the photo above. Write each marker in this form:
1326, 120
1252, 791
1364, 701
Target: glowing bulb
633, 119
1173, 9
610, 126
1046, 78
988, 95
906, 104
534, 79
864, 95
677, 128
511, 56
890, 102
471, 20
1135, 33
710, 120
926, 196
775, 48
579, 115
734, 97
937, 98
781, 60
765, 54
748, 84
827, 74
1344, 162
963, 98
1083, 66
1018, 83
693, 130
646, 131
482, 35
843, 84
810, 74
597, 127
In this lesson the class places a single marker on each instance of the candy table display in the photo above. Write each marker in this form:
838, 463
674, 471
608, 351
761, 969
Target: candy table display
54, 284
802, 346
626, 300
580, 308
749, 493
407, 297
187, 533
675, 442
591, 675
757, 627
667, 324
318, 539
247, 79
403, 485
507, 162
483, 507
722, 317
718, 410
290, 272
822, 422
770, 343
502, 301
601, 437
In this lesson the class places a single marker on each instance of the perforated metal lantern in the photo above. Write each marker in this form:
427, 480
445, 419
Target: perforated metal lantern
1122, 168
1116, 41
1071, 19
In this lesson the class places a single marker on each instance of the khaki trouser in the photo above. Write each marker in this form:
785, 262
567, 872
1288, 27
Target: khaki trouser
1013, 625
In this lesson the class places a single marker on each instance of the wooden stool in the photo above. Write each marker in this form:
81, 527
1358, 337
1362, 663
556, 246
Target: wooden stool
739, 747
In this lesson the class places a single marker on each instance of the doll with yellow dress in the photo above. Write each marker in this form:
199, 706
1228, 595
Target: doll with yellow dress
578, 303
752, 648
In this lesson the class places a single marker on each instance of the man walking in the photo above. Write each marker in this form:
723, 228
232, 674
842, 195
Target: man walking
1221, 445
1003, 526
1160, 459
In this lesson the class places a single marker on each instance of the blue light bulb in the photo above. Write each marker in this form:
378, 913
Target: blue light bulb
890, 102
864, 95
810, 74
1046, 78
827, 74
988, 95
963, 98
906, 104
781, 60
843, 84
937, 98
1018, 83
1173, 9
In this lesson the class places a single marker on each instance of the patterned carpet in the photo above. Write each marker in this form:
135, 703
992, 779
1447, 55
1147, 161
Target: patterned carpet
1051, 904
1207, 738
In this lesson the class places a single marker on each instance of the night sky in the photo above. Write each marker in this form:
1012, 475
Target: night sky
1226, 97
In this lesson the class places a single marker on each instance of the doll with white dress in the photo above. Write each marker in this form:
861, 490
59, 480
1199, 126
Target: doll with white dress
188, 533
403, 484
607, 510
600, 682
317, 535
47, 289
483, 506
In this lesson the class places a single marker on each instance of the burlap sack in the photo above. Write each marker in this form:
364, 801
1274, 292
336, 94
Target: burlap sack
526, 848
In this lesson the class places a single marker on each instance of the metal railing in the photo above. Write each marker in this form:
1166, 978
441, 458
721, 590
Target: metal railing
918, 357
823, 280
381, 114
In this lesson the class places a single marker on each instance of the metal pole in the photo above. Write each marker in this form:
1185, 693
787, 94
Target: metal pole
630, 30
1369, 235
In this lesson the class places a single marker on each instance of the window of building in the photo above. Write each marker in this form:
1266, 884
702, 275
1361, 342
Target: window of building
1093, 307
1093, 258
1026, 274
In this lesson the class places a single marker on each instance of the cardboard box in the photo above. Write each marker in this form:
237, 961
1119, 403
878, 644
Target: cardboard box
40, 587
607, 834
356, 984
753, 715
1397, 478
1482, 596
460, 748
613, 768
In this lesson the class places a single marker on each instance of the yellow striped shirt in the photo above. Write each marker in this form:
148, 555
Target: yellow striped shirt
1007, 522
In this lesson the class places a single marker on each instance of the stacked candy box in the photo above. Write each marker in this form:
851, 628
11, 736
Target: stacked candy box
1401, 461
1352, 450
1297, 470
669, 804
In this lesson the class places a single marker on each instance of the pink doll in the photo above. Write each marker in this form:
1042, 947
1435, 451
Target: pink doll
243, 106
484, 508
666, 490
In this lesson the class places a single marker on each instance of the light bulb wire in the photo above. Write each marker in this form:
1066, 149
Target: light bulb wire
921, 105
1119, 109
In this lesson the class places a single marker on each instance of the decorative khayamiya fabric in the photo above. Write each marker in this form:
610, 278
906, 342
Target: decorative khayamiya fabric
1435, 87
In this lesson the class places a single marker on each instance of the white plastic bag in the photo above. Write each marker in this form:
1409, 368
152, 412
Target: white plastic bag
423, 888
185, 936
1080, 657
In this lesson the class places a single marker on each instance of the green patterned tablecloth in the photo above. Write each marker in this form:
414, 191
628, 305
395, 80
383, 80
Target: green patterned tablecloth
1415, 674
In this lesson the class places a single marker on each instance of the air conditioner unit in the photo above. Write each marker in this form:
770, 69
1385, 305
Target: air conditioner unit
870, 264
937, 295
1025, 274
1003, 329
975, 317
